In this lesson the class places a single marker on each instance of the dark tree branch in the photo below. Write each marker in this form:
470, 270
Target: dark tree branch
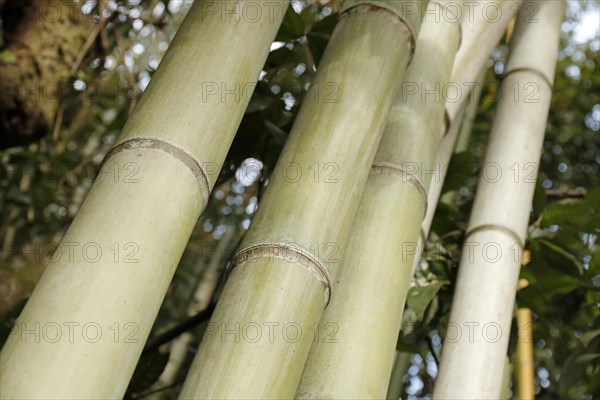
566, 193
184, 326
432, 351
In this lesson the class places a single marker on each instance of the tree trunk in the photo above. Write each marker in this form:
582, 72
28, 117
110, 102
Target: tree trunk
478, 330
260, 334
85, 325
376, 267
40, 53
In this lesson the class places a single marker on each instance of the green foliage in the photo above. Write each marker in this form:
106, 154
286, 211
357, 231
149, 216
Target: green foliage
419, 297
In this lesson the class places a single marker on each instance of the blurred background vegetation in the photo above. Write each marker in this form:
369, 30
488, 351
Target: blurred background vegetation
45, 176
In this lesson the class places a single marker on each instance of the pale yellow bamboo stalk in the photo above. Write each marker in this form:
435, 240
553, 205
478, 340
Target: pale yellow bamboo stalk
466, 128
85, 325
401, 366
355, 366
371, 288
524, 366
479, 37
267, 317
477, 336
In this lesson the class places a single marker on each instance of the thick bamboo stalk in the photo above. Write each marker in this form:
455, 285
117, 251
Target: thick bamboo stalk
478, 331
260, 334
524, 366
376, 268
85, 325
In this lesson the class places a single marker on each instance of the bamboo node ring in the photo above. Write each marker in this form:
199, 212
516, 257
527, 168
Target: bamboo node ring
292, 253
534, 71
456, 18
399, 17
385, 168
507, 231
172, 149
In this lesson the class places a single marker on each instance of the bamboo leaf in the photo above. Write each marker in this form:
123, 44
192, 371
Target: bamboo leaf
546, 252
573, 372
446, 218
325, 26
579, 215
278, 134
8, 320
587, 358
553, 283
462, 166
594, 267
539, 198
588, 337
419, 297
292, 27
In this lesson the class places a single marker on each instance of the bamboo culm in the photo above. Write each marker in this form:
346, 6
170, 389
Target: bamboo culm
479, 37
376, 267
84, 327
489, 268
268, 314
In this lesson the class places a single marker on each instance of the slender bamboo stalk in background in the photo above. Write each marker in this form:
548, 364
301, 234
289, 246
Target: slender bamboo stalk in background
85, 325
466, 127
334, 361
506, 380
479, 37
524, 366
267, 317
369, 295
401, 365
478, 332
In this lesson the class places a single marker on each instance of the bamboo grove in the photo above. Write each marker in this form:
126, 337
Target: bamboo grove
376, 214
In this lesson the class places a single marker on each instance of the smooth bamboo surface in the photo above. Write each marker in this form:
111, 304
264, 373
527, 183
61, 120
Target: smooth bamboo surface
371, 287
84, 327
289, 257
472, 364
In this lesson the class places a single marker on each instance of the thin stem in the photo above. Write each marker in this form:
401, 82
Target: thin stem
182, 327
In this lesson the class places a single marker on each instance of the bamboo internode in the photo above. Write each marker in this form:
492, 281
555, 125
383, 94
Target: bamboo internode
84, 327
376, 268
472, 365
365, 59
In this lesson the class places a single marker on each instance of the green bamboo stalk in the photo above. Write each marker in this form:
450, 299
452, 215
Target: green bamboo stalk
260, 334
85, 325
478, 332
373, 282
